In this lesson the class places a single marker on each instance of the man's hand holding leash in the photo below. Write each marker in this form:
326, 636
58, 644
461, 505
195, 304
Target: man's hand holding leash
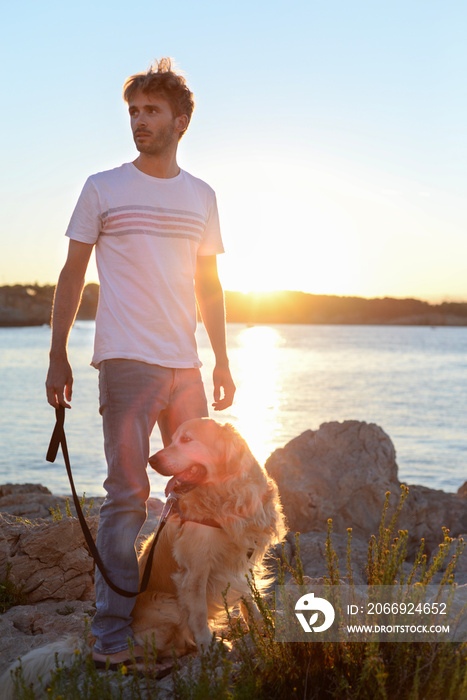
59, 383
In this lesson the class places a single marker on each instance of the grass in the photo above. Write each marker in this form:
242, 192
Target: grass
261, 668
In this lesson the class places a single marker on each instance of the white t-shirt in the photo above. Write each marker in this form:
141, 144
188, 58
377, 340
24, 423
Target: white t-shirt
148, 233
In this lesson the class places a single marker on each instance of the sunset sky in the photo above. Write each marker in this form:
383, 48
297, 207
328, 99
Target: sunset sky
333, 132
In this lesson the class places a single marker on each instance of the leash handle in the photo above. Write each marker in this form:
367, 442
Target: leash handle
58, 439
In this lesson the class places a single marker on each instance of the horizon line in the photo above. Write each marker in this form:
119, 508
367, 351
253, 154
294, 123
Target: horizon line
434, 301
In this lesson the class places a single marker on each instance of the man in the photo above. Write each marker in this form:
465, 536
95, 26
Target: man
156, 232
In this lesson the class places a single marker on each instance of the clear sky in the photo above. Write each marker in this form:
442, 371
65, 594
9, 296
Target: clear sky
333, 132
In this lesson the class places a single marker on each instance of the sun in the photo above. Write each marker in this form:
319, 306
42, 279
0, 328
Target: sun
303, 238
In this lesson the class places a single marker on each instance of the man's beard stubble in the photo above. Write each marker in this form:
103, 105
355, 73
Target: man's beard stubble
159, 144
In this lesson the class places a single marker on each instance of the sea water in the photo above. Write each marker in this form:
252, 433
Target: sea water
411, 381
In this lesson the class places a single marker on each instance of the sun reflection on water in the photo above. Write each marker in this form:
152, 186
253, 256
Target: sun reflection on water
257, 401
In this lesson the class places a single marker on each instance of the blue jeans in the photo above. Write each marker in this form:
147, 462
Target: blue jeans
133, 397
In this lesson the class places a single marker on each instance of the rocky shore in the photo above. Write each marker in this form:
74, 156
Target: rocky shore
341, 471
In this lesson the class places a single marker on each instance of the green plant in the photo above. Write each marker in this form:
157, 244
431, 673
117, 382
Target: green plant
57, 515
67, 610
10, 593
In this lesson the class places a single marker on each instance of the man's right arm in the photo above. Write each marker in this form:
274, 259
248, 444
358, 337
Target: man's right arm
66, 303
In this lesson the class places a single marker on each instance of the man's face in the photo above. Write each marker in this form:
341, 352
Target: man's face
155, 129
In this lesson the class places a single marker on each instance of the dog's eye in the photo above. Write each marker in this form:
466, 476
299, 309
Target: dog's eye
185, 438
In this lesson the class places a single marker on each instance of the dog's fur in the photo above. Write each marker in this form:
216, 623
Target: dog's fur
195, 560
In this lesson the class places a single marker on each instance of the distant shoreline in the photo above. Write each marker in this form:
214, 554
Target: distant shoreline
31, 305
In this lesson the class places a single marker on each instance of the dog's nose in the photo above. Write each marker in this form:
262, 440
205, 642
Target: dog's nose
156, 463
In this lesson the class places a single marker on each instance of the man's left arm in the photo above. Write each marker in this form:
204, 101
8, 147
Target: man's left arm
210, 297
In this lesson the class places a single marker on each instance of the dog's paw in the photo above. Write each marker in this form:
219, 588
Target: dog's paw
205, 641
213, 645
208, 642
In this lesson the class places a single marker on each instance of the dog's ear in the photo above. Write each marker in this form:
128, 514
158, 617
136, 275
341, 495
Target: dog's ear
235, 448
237, 457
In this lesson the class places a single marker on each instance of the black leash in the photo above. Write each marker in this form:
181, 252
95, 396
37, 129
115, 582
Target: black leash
58, 439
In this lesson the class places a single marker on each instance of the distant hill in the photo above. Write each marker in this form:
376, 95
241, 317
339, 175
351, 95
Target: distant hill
298, 307
30, 305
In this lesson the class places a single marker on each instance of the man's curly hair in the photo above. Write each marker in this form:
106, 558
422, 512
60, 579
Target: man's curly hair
161, 80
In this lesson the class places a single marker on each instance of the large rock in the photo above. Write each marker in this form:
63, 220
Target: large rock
427, 511
26, 627
48, 560
340, 471
343, 471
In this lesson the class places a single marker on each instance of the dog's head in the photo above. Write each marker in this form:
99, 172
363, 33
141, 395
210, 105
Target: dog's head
203, 451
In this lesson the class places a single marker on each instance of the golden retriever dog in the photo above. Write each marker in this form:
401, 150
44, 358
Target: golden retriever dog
226, 517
